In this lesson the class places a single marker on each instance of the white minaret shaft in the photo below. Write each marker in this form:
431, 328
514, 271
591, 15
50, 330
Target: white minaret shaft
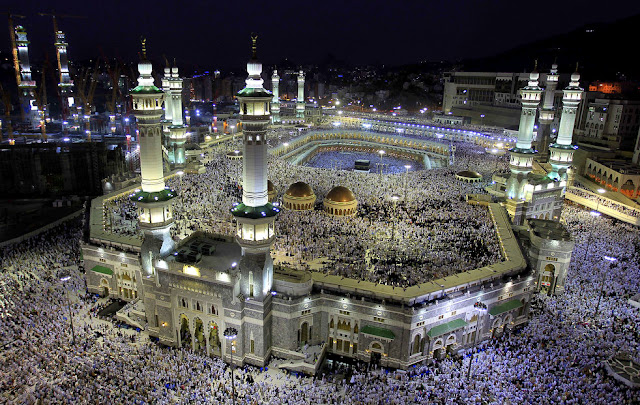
530, 100
154, 201
275, 82
27, 84
300, 104
168, 102
63, 60
570, 102
176, 96
147, 104
255, 216
275, 104
550, 90
178, 131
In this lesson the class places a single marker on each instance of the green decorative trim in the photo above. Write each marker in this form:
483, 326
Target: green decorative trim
565, 147
102, 269
446, 327
529, 151
251, 92
507, 306
146, 90
157, 196
376, 331
265, 211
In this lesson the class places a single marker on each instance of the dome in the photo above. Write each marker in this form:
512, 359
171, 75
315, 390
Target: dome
469, 174
299, 189
270, 186
340, 194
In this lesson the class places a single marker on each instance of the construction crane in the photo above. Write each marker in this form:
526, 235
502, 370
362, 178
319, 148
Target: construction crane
14, 48
111, 101
86, 87
6, 100
14, 52
41, 100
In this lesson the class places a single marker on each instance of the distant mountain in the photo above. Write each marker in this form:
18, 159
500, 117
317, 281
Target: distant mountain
605, 52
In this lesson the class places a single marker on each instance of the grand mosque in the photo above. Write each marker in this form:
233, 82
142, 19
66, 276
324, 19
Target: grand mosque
222, 294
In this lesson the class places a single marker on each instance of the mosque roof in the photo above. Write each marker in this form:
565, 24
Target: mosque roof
299, 189
340, 194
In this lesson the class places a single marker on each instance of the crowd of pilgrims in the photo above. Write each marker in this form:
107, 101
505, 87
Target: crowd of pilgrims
557, 357
605, 202
431, 232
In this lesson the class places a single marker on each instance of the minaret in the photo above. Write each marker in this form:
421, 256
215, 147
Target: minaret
168, 109
275, 105
521, 162
547, 113
65, 84
562, 151
300, 104
255, 216
177, 129
154, 199
27, 85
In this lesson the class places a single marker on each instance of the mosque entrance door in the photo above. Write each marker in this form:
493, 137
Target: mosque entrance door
185, 333
375, 358
546, 281
200, 344
214, 339
105, 290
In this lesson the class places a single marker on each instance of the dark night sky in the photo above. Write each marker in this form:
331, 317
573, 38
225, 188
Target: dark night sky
215, 34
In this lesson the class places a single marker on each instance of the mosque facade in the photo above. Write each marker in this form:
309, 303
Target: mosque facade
224, 296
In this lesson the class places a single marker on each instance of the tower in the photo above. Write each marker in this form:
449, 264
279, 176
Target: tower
300, 104
27, 85
275, 105
168, 109
154, 199
65, 84
255, 216
562, 151
547, 113
177, 129
521, 157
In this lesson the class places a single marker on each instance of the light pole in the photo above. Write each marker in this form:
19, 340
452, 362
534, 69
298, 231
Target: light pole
233, 132
479, 309
611, 260
395, 199
381, 152
406, 180
230, 334
594, 214
64, 278
482, 119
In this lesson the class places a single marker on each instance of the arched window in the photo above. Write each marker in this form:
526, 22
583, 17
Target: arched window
331, 324
213, 309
